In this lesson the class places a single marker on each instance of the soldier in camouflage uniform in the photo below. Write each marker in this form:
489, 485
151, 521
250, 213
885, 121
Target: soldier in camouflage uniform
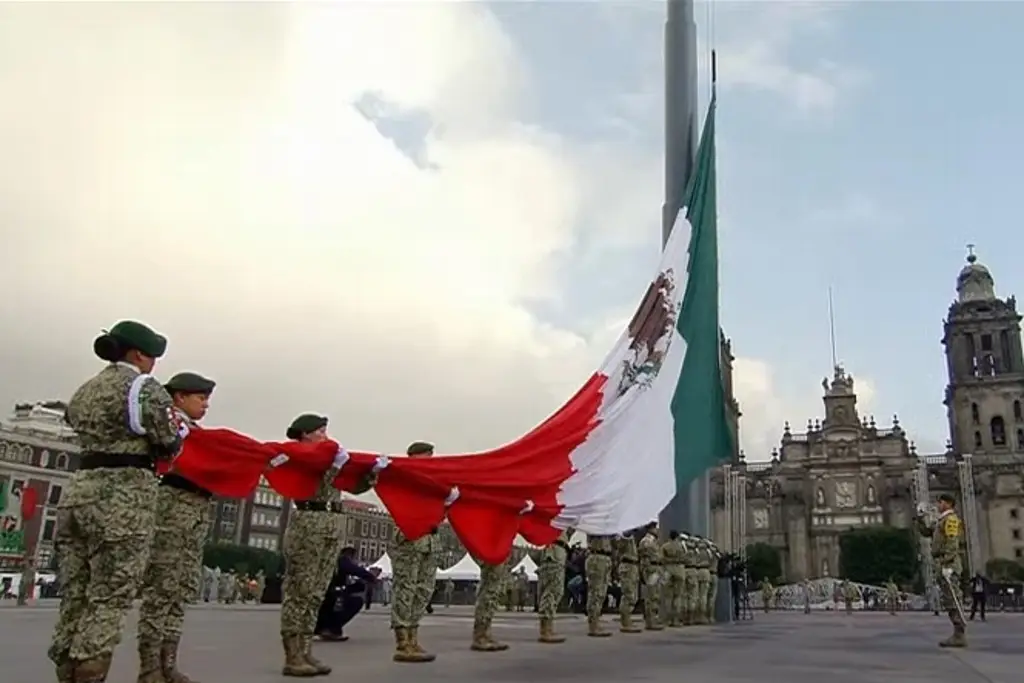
713, 556
628, 570
551, 586
176, 558
493, 579
673, 559
947, 535
125, 422
649, 553
414, 567
691, 586
702, 574
312, 543
598, 568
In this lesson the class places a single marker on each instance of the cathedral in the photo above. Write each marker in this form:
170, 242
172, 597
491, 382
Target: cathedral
845, 471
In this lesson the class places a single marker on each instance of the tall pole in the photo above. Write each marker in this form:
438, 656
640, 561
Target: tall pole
689, 510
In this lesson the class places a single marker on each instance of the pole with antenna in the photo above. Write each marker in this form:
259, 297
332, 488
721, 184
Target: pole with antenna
832, 328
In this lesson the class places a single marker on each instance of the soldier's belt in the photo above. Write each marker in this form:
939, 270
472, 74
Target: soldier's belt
628, 560
95, 461
318, 506
606, 553
176, 481
671, 564
654, 563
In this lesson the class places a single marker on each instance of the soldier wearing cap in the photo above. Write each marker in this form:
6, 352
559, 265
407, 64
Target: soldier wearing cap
947, 535
176, 558
598, 569
649, 552
414, 565
124, 421
312, 543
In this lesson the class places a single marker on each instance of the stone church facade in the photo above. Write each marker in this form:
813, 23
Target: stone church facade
845, 471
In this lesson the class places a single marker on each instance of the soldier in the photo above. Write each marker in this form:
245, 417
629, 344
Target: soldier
414, 567
767, 594
947, 535
850, 595
673, 559
714, 555
449, 592
892, 596
649, 554
551, 585
629, 580
598, 568
176, 558
702, 582
125, 422
261, 585
690, 586
312, 543
522, 582
493, 579
807, 596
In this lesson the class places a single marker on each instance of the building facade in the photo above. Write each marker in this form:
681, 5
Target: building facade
847, 471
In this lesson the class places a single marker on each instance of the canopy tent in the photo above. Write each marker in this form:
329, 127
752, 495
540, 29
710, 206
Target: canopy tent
384, 565
463, 570
529, 565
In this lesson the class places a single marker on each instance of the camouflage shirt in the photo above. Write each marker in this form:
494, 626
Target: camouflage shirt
648, 551
325, 491
556, 554
946, 539
625, 550
600, 544
426, 544
103, 409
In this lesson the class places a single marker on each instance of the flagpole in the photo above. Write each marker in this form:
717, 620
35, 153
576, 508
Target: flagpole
690, 509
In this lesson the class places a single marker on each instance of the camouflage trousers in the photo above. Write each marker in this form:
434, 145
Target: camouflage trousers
312, 543
629, 581
599, 575
652, 588
691, 602
950, 595
703, 578
175, 563
488, 597
415, 575
104, 533
712, 596
550, 588
675, 593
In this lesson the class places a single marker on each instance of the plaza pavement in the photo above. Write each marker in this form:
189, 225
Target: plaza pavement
239, 644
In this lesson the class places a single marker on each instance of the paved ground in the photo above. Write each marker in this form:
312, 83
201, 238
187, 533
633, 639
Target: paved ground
239, 645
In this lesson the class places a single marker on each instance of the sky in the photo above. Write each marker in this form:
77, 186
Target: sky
430, 220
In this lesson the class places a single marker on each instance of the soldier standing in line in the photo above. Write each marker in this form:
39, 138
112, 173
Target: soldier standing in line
947, 534
850, 593
673, 559
414, 567
176, 558
767, 594
649, 554
493, 579
629, 580
551, 585
690, 586
449, 592
714, 555
311, 546
892, 596
125, 422
702, 580
598, 568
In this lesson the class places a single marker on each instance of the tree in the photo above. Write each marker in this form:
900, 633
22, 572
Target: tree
875, 555
1002, 570
763, 562
242, 559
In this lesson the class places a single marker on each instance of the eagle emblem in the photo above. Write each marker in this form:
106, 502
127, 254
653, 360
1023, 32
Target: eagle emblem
650, 333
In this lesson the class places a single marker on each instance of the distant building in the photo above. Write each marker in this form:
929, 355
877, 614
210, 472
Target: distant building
264, 516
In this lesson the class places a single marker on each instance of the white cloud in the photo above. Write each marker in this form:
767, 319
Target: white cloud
201, 167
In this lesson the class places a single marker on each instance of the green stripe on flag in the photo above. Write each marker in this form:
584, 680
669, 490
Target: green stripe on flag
703, 436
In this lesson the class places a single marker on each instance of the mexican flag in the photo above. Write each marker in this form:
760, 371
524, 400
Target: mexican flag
645, 424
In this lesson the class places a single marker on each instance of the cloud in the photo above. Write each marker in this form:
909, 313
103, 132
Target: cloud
203, 168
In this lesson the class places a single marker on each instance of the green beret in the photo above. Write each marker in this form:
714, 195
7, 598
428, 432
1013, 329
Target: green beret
947, 497
189, 383
305, 424
135, 335
419, 448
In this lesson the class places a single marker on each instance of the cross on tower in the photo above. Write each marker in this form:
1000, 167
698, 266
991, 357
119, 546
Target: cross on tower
971, 258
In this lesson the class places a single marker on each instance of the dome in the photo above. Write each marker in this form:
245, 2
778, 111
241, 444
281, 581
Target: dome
975, 283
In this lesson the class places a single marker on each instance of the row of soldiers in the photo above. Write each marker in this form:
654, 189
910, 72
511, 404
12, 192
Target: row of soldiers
226, 587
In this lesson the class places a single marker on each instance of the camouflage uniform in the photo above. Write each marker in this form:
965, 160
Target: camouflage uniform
312, 544
649, 554
124, 421
599, 574
673, 559
713, 557
628, 569
551, 586
702, 576
947, 535
176, 559
892, 596
414, 567
493, 578
691, 586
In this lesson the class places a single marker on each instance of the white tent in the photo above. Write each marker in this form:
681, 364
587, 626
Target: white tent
529, 565
463, 570
384, 565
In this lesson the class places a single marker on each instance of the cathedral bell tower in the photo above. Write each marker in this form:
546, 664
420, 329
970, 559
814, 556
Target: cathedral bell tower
985, 365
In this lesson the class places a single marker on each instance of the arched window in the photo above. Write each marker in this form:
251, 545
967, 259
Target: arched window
975, 416
977, 439
871, 495
998, 431
819, 497
62, 461
1020, 439
1017, 414
824, 568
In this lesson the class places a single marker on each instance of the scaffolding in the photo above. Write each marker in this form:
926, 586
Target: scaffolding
740, 527
969, 509
922, 497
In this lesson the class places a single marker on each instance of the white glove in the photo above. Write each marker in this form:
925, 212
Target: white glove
948, 573
654, 579
340, 459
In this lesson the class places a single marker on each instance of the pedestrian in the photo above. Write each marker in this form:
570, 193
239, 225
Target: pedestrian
311, 545
493, 579
346, 597
551, 585
599, 576
947, 535
176, 557
124, 421
628, 571
414, 571
979, 586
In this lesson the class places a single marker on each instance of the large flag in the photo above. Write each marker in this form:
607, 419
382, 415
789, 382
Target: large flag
647, 422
